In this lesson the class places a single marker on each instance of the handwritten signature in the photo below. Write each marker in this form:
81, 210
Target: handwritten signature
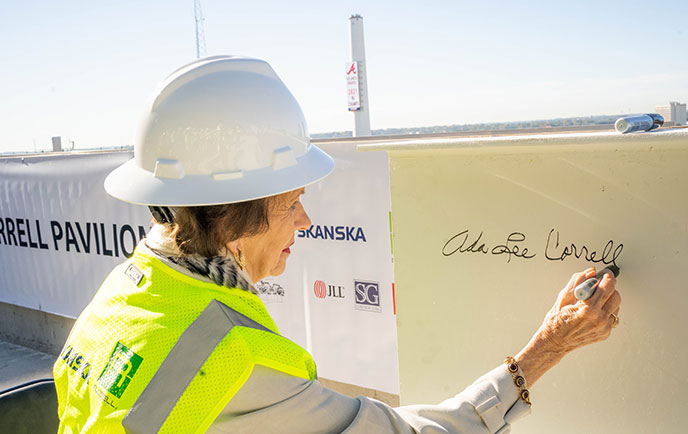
510, 248
462, 242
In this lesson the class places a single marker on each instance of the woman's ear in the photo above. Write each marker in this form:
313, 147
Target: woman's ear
234, 246
235, 249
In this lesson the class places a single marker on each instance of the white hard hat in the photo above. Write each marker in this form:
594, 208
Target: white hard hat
220, 130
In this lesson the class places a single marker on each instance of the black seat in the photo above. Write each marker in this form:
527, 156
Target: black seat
29, 408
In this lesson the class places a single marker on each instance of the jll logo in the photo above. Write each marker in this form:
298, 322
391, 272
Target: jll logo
319, 289
322, 290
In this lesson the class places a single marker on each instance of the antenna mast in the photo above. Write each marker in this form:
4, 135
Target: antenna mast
200, 32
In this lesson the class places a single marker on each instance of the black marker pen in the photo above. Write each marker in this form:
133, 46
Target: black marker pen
586, 289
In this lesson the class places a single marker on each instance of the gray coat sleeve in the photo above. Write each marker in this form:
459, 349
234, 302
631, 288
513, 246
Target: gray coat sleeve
274, 402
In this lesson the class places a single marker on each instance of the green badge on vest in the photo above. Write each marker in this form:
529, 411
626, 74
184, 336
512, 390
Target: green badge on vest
119, 370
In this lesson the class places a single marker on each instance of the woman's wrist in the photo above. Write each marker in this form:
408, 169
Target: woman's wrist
538, 357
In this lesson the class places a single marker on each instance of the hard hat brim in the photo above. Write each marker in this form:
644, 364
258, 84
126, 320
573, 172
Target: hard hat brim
133, 184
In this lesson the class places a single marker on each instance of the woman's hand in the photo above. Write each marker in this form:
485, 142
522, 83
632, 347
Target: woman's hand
571, 324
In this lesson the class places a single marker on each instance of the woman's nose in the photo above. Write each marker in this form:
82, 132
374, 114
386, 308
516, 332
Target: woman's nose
302, 221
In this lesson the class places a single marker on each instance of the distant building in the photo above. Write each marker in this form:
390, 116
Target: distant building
673, 113
57, 143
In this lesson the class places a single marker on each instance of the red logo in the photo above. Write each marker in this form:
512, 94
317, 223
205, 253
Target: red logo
352, 69
320, 289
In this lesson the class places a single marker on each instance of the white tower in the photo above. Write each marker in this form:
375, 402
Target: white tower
357, 78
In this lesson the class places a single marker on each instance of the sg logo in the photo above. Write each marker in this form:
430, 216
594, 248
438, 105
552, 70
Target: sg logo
367, 295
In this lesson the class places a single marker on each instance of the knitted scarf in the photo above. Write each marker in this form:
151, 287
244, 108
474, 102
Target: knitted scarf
221, 270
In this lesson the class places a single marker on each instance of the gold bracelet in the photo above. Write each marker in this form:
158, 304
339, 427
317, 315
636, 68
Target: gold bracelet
519, 380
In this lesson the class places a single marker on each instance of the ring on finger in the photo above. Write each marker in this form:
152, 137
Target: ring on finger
615, 323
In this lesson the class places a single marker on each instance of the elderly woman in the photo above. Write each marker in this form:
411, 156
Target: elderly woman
176, 339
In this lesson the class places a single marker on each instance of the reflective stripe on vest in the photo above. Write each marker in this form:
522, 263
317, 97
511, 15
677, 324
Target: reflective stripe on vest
181, 365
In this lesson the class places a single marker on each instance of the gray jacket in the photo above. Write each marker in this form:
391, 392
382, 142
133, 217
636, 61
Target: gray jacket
274, 402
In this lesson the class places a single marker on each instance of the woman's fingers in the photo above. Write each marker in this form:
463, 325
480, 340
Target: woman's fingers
568, 296
613, 303
579, 278
605, 289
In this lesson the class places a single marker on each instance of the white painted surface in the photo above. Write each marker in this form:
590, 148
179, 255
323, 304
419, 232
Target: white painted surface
460, 315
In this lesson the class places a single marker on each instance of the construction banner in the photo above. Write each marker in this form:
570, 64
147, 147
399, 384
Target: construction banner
61, 234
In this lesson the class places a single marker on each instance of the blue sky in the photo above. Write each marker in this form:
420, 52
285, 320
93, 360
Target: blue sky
83, 69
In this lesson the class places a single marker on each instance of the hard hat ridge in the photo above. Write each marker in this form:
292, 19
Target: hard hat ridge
209, 65
219, 130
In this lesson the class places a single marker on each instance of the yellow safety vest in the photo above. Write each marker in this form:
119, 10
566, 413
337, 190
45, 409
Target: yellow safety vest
157, 350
